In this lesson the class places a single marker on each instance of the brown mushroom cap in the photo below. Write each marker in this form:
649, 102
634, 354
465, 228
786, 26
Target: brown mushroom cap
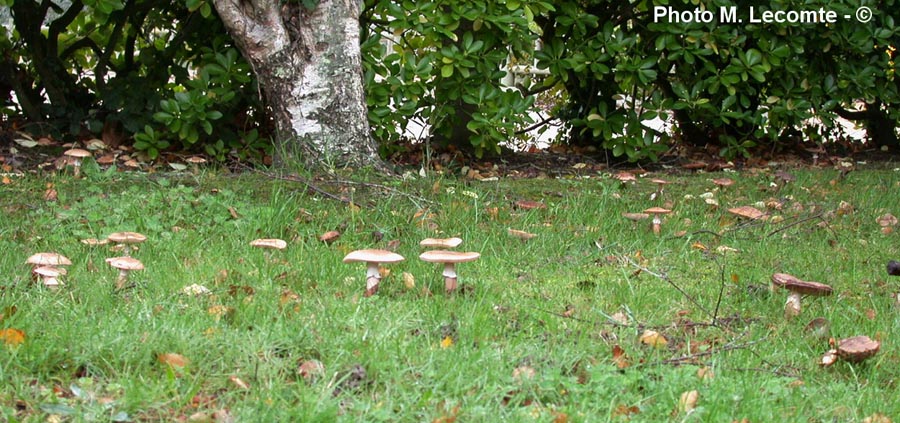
126, 237
657, 210
373, 256
636, 216
273, 243
723, 182
857, 348
442, 256
48, 259
49, 271
125, 263
659, 181
77, 152
748, 212
441, 242
195, 160
793, 284
625, 177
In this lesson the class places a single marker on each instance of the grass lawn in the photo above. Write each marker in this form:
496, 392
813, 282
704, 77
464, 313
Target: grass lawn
555, 328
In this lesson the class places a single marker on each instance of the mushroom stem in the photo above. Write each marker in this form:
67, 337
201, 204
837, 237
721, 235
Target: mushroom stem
122, 279
450, 277
792, 305
656, 224
373, 278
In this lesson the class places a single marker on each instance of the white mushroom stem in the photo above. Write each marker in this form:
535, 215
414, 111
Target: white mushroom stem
450, 281
373, 277
792, 305
657, 222
122, 279
50, 281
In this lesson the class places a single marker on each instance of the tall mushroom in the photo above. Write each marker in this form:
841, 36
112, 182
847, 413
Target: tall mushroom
124, 265
449, 259
660, 183
372, 258
75, 157
798, 288
441, 243
126, 240
657, 213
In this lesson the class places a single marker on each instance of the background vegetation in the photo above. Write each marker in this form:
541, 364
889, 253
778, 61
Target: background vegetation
167, 73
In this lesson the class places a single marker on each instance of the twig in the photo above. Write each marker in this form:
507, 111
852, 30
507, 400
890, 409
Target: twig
309, 185
691, 357
795, 223
674, 285
411, 197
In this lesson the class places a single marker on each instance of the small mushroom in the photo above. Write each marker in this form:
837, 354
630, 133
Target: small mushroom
126, 240
660, 183
47, 259
747, 212
372, 258
441, 243
50, 276
195, 162
124, 265
657, 213
76, 156
625, 178
723, 183
449, 259
798, 288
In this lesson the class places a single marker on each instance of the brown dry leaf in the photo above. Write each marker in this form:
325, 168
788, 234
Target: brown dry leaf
234, 214
523, 373
705, 373
877, 418
653, 339
620, 318
625, 411
844, 208
5, 180
570, 311
393, 244
329, 237
311, 370
219, 311
699, 246
409, 281
288, 297
870, 314
176, 361
688, 401
887, 220
12, 337
619, 357
529, 205
239, 382
449, 417
50, 195
560, 417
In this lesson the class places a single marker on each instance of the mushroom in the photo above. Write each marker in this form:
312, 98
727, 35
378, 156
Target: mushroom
269, 243
47, 259
441, 243
659, 187
449, 259
124, 265
798, 288
372, 258
657, 212
195, 162
723, 183
50, 276
126, 239
857, 348
747, 212
625, 178
76, 155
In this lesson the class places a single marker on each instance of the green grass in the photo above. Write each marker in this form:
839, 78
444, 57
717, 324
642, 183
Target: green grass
91, 353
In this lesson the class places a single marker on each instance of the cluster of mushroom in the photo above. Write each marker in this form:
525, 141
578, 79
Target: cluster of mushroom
441, 253
49, 266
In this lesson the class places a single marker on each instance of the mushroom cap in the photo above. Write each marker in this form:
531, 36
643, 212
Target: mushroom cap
723, 182
49, 271
77, 152
125, 263
48, 259
636, 216
442, 256
126, 237
625, 177
273, 243
857, 348
793, 284
747, 211
657, 210
373, 256
659, 181
195, 160
441, 242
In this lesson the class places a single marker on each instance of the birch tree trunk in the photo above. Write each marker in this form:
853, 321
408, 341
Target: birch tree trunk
309, 65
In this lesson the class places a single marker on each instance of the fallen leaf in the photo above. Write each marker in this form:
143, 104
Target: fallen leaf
310, 370
447, 342
5, 180
529, 205
620, 318
887, 220
524, 236
12, 337
523, 373
619, 357
409, 281
705, 373
570, 311
688, 401
239, 382
877, 418
870, 314
234, 214
329, 237
625, 411
173, 360
699, 246
50, 195
653, 339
